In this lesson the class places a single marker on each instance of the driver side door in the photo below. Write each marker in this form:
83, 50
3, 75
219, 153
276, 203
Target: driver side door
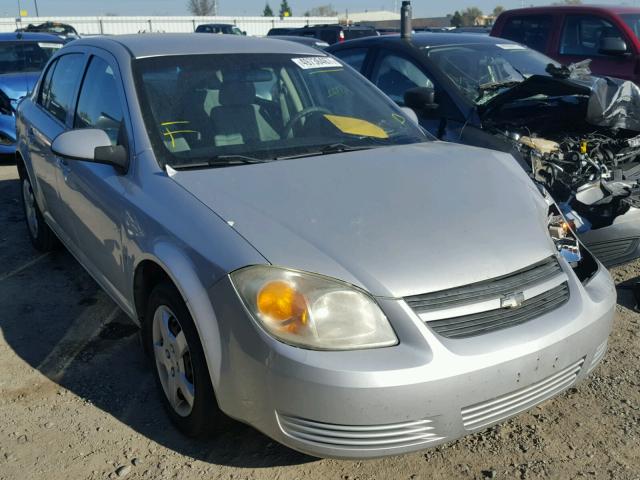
94, 193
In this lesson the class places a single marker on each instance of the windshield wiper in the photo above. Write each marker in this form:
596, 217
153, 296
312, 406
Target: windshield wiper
328, 150
220, 161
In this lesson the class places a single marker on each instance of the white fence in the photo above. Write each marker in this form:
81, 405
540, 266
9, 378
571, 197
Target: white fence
119, 25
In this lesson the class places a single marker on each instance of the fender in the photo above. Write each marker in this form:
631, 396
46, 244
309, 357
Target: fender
181, 271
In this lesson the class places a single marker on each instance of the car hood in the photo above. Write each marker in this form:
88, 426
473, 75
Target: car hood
610, 102
395, 221
17, 85
535, 85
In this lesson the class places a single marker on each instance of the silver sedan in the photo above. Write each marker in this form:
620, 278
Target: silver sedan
299, 254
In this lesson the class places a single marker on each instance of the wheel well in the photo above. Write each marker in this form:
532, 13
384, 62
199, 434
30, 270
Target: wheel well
148, 275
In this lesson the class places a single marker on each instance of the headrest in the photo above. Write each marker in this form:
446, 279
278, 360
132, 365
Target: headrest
237, 93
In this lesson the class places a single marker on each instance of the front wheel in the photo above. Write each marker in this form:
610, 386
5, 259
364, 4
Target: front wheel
179, 364
40, 234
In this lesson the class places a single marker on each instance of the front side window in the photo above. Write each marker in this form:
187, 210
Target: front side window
582, 34
262, 107
23, 56
63, 84
632, 20
531, 30
99, 104
394, 75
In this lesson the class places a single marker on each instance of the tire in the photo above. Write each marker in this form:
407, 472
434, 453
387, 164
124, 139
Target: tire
175, 369
40, 234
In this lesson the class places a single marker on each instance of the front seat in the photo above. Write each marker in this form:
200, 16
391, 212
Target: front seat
238, 120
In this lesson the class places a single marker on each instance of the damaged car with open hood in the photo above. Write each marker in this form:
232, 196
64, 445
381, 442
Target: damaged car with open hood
576, 134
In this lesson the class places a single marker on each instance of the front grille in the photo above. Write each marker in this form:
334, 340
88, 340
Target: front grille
492, 320
493, 288
499, 408
386, 436
598, 356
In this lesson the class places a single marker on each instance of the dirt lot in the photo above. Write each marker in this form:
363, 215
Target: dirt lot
78, 401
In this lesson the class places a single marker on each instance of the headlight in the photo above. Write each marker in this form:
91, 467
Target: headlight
562, 234
6, 139
312, 311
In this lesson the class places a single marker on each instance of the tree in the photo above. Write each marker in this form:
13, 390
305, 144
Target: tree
456, 19
285, 9
470, 15
267, 11
322, 11
498, 10
201, 8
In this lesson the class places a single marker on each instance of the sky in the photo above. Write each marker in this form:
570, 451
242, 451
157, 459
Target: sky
421, 8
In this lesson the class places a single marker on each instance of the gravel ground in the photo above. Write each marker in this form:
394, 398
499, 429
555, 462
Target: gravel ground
77, 399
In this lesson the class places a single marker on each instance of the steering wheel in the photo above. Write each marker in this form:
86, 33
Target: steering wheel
299, 116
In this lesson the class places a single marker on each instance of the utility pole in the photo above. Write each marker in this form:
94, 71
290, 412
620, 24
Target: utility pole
35, 2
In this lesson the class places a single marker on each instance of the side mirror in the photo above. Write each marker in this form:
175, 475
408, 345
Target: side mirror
420, 98
612, 46
90, 145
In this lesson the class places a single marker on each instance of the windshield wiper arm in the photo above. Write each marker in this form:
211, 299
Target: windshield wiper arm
220, 161
496, 85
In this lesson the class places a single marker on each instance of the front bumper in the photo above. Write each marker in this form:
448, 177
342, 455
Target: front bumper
618, 243
425, 391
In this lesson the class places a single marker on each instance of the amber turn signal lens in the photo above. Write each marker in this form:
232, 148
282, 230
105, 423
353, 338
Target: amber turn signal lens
281, 302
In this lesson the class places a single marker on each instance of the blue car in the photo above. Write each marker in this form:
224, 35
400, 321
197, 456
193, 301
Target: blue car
22, 58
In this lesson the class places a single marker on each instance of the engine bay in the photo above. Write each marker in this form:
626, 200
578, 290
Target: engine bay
591, 171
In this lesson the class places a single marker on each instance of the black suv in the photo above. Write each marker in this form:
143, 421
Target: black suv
335, 33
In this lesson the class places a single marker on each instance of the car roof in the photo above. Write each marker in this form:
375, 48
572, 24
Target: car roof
616, 9
29, 37
428, 39
216, 25
167, 44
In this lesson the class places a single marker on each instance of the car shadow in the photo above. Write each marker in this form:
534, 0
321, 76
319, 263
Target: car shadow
57, 319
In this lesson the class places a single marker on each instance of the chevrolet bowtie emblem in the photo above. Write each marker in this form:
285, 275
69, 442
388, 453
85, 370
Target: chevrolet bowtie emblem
513, 300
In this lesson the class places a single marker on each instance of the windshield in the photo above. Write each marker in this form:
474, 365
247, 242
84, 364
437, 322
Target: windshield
482, 71
633, 22
25, 56
247, 107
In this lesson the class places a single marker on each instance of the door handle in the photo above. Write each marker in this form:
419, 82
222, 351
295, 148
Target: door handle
30, 133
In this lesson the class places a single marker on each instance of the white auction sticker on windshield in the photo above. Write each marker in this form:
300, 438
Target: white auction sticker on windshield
49, 45
510, 46
316, 62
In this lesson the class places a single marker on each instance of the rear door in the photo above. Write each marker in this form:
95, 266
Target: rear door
46, 122
581, 37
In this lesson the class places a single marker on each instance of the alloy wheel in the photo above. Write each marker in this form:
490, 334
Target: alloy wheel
173, 360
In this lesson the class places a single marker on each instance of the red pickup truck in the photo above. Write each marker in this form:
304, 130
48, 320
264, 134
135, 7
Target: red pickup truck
568, 34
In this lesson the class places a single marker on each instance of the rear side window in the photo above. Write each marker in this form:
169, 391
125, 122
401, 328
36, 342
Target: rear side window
354, 57
582, 34
531, 30
99, 105
58, 93
45, 90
